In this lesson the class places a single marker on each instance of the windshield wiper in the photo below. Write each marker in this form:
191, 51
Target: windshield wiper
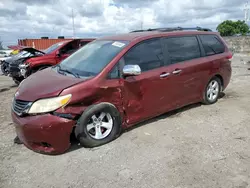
60, 70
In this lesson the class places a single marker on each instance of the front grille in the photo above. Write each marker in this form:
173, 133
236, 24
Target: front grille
19, 106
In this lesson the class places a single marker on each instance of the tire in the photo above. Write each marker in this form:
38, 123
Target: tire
212, 91
17, 140
87, 125
18, 80
3, 69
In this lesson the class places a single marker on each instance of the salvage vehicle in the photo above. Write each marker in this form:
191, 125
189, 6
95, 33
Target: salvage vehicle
116, 82
4, 63
10, 66
5, 53
53, 55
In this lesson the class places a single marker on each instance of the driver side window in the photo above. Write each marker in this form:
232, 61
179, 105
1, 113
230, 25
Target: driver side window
68, 49
147, 54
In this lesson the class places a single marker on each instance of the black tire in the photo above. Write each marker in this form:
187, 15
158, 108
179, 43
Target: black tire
18, 80
84, 136
17, 140
3, 69
206, 99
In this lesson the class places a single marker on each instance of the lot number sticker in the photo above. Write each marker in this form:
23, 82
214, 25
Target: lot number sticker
118, 44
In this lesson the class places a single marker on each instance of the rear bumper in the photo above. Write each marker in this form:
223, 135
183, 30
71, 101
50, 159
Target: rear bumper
44, 133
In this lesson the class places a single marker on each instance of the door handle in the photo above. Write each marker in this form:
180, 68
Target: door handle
163, 75
177, 71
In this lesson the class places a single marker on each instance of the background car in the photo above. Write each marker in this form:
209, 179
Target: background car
10, 66
53, 55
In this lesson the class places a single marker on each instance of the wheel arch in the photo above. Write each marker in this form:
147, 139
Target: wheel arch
79, 132
95, 106
221, 79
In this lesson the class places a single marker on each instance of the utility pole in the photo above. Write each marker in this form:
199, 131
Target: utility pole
142, 21
73, 23
246, 10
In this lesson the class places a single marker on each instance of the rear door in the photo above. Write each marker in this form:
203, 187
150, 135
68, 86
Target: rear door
187, 68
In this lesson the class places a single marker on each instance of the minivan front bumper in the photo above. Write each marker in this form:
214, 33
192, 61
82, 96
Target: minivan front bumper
45, 133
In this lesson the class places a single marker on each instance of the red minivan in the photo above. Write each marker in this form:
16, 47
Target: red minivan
115, 82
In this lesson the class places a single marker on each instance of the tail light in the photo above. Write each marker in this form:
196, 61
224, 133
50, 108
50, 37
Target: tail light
230, 56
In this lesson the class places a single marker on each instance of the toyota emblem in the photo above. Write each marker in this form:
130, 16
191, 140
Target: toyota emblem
16, 94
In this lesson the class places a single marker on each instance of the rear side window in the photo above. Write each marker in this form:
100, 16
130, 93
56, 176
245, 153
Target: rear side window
211, 44
182, 48
148, 55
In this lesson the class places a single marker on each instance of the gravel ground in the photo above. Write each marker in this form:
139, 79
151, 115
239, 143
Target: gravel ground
197, 146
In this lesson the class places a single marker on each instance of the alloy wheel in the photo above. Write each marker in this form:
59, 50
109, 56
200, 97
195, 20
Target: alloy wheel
100, 125
213, 90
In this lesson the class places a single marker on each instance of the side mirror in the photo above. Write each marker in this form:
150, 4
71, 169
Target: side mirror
131, 70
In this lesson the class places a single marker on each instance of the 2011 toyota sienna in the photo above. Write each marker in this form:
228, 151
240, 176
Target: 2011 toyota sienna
115, 82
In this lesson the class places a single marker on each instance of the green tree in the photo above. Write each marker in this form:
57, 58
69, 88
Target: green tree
229, 28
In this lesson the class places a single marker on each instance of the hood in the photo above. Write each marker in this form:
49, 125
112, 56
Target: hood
32, 50
44, 84
25, 53
45, 57
16, 59
4, 58
11, 59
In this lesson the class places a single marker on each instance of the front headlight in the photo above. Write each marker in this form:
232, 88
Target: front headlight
23, 66
49, 105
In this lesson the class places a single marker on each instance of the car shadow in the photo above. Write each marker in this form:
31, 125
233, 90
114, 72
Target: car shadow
75, 145
171, 114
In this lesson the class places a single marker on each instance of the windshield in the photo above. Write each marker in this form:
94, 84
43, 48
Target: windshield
91, 59
53, 47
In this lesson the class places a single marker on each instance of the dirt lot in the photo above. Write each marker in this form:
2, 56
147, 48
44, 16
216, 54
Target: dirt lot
199, 146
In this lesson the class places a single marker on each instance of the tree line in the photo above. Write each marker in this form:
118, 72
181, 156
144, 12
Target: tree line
232, 28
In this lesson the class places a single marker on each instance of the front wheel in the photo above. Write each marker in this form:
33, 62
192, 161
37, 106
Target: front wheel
212, 91
4, 68
98, 125
18, 80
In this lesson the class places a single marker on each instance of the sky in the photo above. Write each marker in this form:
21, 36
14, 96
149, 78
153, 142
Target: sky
21, 19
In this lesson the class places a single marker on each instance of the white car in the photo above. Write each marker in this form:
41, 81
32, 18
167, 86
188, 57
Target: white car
5, 54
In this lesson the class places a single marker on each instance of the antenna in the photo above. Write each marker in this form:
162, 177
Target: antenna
73, 23
246, 10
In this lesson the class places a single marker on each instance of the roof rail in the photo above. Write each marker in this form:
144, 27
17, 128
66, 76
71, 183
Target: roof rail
174, 29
